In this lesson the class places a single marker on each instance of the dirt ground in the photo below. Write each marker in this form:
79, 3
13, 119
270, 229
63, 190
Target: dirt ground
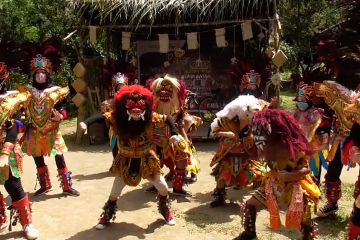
61, 217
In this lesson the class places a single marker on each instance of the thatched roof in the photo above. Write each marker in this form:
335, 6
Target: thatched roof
134, 13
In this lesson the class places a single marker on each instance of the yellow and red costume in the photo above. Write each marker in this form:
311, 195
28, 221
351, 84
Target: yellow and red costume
315, 125
133, 123
236, 162
140, 149
346, 105
11, 157
43, 116
286, 150
170, 94
44, 137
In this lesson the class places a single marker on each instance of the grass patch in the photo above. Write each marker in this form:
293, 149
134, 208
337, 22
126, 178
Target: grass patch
69, 137
347, 191
287, 99
71, 122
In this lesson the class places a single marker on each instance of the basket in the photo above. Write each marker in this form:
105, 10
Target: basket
79, 70
79, 99
79, 85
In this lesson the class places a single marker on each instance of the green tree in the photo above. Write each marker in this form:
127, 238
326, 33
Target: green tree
34, 20
301, 20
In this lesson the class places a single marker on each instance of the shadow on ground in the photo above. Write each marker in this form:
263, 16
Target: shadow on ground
16, 234
47, 196
95, 176
117, 231
136, 199
204, 215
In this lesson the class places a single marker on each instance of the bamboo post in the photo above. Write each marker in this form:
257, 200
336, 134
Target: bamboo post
80, 118
79, 99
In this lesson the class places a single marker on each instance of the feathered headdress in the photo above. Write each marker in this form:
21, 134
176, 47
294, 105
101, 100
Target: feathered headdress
241, 107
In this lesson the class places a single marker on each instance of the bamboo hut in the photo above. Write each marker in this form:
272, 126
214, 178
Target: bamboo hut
229, 38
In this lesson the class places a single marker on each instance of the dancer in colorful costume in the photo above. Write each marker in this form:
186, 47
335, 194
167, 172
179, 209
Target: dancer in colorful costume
118, 81
11, 157
250, 84
351, 151
133, 122
191, 124
236, 161
346, 105
316, 127
286, 150
170, 94
44, 114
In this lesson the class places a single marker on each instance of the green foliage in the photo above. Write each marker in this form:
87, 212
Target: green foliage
17, 78
34, 20
61, 78
291, 51
301, 20
287, 99
64, 75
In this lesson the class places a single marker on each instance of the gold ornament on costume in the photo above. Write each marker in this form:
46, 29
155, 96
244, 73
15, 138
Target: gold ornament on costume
42, 104
40, 63
344, 102
138, 149
12, 102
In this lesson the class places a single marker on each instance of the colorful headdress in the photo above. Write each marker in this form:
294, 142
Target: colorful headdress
119, 78
304, 92
4, 73
40, 63
250, 80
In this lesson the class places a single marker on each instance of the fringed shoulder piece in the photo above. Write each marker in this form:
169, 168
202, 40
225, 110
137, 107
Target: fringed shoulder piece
11, 102
59, 94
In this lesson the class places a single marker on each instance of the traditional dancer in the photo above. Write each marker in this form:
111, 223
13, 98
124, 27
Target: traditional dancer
191, 124
44, 114
11, 157
346, 105
250, 84
286, 150
351, 151
134, 122
236, 161
316, 126
118, 81
170, 95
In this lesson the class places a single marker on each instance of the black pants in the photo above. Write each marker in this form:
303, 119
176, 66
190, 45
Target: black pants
335, 168
59, 159
14, 188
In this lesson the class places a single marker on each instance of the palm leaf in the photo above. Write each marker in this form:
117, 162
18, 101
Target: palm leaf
149, 12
